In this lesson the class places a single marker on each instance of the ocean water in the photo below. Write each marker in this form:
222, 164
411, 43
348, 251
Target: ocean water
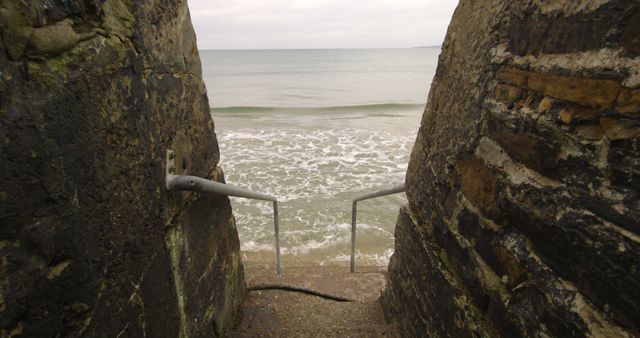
317, 128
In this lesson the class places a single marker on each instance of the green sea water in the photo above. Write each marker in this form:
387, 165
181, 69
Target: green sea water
317, 128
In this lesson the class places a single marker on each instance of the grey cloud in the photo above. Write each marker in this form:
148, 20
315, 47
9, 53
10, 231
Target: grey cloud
240, 24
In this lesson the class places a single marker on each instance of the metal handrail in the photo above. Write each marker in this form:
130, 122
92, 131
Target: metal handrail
202, 185
384, 192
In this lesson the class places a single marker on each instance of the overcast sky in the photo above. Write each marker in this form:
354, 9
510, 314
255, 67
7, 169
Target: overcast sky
260, 24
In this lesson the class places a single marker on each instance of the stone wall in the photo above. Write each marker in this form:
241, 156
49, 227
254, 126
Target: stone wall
92, 93
523, 186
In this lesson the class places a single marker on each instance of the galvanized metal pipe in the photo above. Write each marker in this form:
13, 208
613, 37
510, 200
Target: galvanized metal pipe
199, 184
276, 225
202, 185
384, 192
354, 210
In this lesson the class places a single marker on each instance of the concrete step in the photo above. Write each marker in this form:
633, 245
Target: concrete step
279, 313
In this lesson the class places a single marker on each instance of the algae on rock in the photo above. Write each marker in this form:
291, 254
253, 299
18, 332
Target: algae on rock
90, 242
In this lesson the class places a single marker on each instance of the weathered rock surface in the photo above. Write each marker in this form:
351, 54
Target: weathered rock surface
523, 186
92, 93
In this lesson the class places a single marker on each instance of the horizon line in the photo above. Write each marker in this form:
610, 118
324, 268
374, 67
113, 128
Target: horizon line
316, 48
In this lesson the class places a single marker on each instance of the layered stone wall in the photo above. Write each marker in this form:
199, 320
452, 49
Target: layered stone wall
523, 186
92, 93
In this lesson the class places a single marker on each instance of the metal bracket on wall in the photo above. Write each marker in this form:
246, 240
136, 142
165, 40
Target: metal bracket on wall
175, 182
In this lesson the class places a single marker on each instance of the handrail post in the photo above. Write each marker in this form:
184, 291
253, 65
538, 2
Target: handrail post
276, 224
175, 182
354, 210
384, 192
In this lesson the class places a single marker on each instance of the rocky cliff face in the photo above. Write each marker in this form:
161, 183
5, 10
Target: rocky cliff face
92, 94
523, 186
